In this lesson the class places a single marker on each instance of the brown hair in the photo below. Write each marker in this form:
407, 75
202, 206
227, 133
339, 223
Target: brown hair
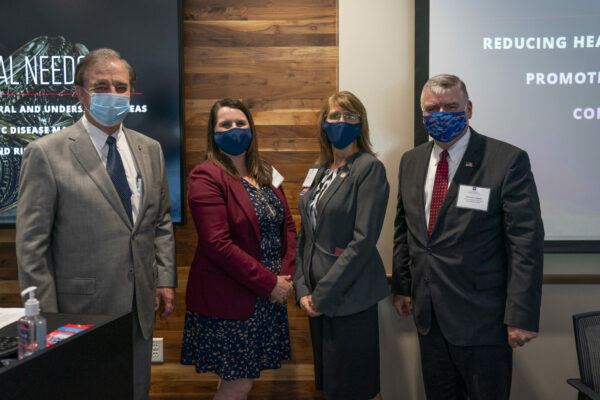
100, 55
258, 169
348, 101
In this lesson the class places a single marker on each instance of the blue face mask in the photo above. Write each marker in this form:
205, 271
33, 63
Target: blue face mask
234, 141
445, 126
108, 109
341, 134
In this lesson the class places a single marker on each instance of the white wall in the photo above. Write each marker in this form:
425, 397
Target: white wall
377, 64
376, 41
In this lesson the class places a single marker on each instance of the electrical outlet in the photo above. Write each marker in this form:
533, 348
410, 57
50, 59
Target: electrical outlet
157, 350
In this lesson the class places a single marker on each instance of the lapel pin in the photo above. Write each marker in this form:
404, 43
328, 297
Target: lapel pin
139, 147
469, 164
343, 175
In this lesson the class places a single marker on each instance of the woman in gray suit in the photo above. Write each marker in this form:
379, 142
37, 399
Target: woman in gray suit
339, 273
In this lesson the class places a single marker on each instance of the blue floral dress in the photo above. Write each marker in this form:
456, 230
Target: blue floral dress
241, 349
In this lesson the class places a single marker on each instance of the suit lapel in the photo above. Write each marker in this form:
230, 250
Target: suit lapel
302, 202
279, 193
243, 199
469, 163
334, 186
421, 175
84, 151
142, 160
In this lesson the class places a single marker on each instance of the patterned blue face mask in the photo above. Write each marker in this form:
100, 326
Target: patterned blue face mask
234, 141
341, 134
445, 126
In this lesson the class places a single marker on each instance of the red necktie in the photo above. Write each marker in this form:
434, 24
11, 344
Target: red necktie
440, 185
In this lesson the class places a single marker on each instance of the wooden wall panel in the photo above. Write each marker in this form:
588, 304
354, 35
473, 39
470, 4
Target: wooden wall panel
280, 58
9, 284
232, 10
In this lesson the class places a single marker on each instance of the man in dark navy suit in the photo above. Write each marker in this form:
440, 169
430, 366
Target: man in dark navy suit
468, 249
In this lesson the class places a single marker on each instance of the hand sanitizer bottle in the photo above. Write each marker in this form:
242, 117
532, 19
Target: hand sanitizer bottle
32, 326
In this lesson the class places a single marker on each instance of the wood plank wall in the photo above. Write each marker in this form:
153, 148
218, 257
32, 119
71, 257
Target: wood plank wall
281, 58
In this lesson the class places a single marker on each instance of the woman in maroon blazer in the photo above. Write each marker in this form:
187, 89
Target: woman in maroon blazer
236, 319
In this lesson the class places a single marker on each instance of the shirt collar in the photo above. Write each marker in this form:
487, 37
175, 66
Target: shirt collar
97, 135
457, 150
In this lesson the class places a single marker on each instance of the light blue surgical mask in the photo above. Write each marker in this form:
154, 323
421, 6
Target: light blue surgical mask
108, 109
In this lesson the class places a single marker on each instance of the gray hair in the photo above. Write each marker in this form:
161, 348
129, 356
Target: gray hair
441, 83
97, 56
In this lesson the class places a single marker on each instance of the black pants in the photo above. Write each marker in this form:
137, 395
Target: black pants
142, 358
464, 372
346, 355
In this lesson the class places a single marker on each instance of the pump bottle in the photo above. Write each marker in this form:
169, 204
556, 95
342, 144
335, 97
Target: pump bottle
32, 326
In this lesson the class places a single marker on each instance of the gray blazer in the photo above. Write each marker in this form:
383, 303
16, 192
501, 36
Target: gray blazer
341, 251
74, 240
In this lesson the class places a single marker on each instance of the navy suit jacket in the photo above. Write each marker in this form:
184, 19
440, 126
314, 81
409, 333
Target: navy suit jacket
480, 270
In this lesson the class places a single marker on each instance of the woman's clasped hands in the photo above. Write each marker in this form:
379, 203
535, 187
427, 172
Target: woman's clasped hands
282, 290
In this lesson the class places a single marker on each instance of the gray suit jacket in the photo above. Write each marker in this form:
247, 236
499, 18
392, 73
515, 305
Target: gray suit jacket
341, 251
479, 270
74, 240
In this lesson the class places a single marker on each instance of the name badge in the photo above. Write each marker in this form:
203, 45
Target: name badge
277, 178
310, 177
473, 197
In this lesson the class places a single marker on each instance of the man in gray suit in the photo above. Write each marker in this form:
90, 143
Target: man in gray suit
94, 230
468, 249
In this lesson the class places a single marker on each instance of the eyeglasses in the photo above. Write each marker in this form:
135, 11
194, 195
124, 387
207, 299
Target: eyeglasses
348, 116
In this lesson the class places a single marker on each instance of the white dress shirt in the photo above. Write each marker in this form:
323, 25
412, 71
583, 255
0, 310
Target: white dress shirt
455, 155
133, 177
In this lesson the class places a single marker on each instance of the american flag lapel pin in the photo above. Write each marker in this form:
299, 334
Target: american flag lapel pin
469, 164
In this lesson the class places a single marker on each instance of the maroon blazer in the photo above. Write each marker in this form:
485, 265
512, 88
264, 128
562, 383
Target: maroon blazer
226, 277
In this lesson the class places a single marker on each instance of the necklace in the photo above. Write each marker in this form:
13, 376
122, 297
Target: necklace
263, 199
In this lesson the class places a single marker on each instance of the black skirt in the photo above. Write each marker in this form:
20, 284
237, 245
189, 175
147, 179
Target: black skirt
346, 355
